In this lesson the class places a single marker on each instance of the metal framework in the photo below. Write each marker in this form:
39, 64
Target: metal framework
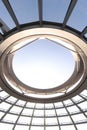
68, 89
60, 110
58, 116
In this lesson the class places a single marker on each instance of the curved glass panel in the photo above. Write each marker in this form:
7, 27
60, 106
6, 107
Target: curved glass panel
28, 10
55, 8
79, 14
69, 114
4, 15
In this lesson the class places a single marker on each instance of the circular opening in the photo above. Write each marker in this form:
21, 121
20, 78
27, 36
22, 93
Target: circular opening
43, 64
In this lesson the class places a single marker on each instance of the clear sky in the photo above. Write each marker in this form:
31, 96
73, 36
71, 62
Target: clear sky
43, 64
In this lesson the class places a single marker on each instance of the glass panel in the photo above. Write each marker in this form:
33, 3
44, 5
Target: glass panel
77, 98
11, 99
4, 15
16, 109
4, 106
26, 10
78, 117
24, 120
39, 105
27, 112
65, 120
3, 94
19, 127
21, 103
4, 126
38, 121
81, 127
83, 105
70, 127
50, 112
84, 92
51, 121
39, 113
10, 118
1, 114
68, 102
54, 10
73, 109
61, 111
30, 105
52, 128
49, 105
78, 19
58, 105
37, 128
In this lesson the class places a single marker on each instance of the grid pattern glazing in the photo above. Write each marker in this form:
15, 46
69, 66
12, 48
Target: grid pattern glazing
15, 113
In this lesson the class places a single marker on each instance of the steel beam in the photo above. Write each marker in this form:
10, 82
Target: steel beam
69, 11
40, 11
11, 12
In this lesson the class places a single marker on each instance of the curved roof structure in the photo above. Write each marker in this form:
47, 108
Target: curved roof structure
22, 24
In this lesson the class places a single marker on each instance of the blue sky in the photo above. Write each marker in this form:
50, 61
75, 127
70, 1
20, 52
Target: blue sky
43, 64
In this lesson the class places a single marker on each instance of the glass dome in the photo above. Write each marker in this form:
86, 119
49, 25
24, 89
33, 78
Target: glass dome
65, 106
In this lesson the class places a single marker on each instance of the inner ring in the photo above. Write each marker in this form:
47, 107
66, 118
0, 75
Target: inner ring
72, 86
18, 44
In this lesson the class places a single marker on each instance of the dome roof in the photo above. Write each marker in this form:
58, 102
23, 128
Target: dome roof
63, 23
